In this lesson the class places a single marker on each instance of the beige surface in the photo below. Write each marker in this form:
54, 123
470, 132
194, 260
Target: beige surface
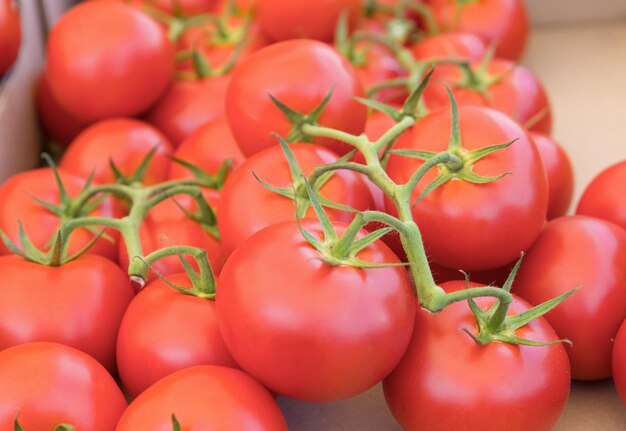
584, 71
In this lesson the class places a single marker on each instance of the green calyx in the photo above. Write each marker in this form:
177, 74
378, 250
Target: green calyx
299, 120
478, 79
494, 324
60, 427
175, 423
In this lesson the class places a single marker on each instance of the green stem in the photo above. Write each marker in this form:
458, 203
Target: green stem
342, 247
407, 189
502, 295
358, 142
399, 128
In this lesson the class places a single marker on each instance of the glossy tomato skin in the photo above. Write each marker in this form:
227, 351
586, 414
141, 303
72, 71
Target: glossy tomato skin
504, 22
309, 330
559, 172
476, 226
170, 331
208, 148
619, 361
205, 397
246, 206
108, 59
187, 105
604, 195
448, 382
299, 73
41, 224
580, 251
458, 45
10, 34
302, 18
518, 94
126, 142
79, 304
47, 384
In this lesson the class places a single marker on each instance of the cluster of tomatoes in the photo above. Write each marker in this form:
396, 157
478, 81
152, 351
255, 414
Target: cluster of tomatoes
259, 198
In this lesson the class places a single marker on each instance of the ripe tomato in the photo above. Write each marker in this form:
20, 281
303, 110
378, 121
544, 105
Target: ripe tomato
126, 142
375, 64
47, 384
40, 223
10, 34
307, 329
246, 206
108, 59
446, 381
518, 94
618, 361
208, 148
465, 46
187, 105
157, 324
205, 397
604, 195
44, 303
476, 226
579, 251
560, 174
503, 22
299, 73
302, 18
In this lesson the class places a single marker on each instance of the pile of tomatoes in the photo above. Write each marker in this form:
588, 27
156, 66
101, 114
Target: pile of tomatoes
262, 198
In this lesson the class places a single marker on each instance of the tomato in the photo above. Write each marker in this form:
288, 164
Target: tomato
303, 18
464, 46
604, 198
618, 361
560, 174
246, 206
580, 251
476, 226
299, 73
170, 331
208, 148
518, 94
79, 304
58, 123
108, 59
126, 142
307, 329
187, 105
40, 224
375, 64
447, 381
10, 34
47, 384
167, 225
205, 397
504, 22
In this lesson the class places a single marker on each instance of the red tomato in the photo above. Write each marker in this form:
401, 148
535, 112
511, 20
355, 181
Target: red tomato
246, 206
47, 384
108, 59
464, 46
618, 361
10, 34
379, 65
40, 223
208, 147
58, 123
307, 329
299, 73
604, 195
187, 105
503, 22
446, 381
205, 397
560, 174
125, 141
476, 226
167, 225
79, 304
572, 252
303, 18
156, 330
519, 94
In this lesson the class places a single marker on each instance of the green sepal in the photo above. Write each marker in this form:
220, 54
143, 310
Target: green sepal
139, 173
327, 226
60, 427
205, 179
360, 244
414, 154
175, 423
